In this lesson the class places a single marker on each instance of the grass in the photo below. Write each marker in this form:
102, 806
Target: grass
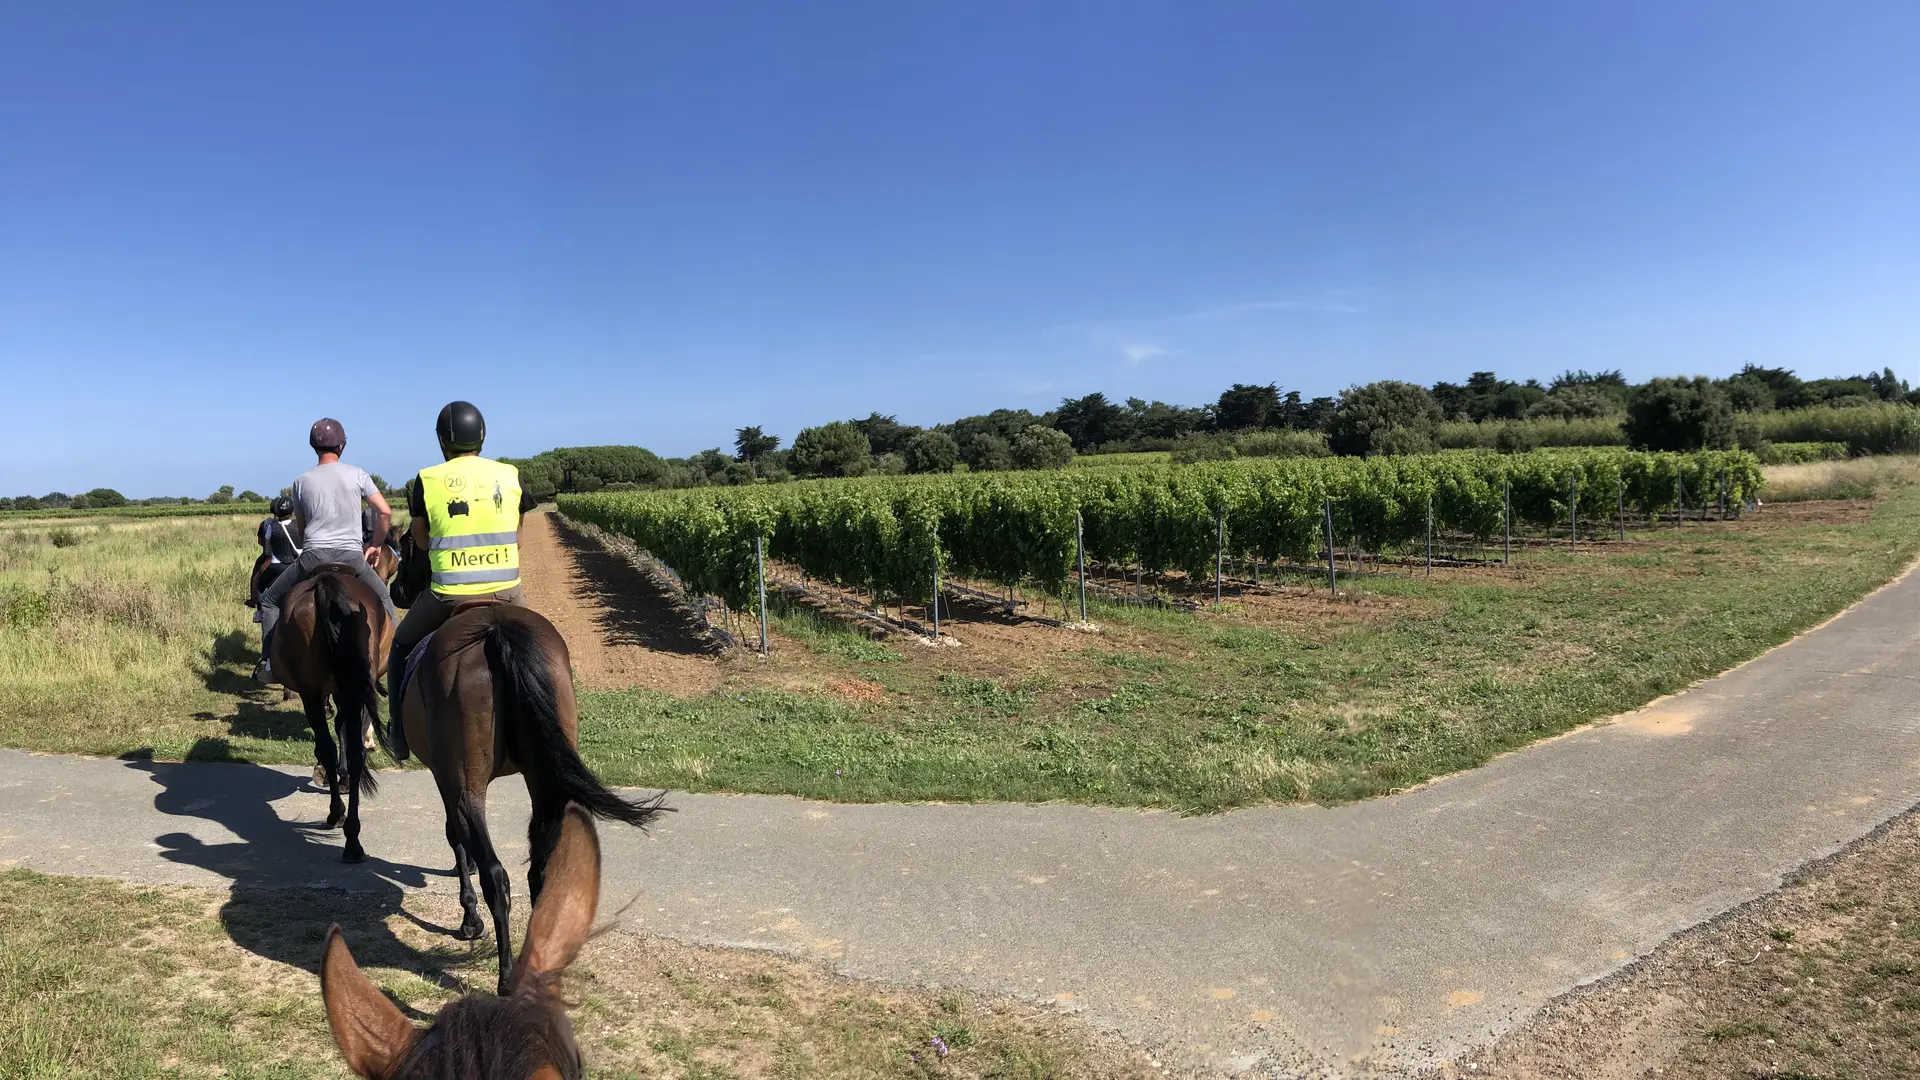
1854, 478
102, 979
134, 638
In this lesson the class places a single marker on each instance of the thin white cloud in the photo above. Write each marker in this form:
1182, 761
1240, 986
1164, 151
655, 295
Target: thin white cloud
1141, 352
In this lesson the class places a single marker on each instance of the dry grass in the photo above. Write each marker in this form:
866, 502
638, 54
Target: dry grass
1818, 980
100, 979
1854, 478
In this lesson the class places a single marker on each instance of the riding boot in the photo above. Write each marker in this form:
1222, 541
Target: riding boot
396, 725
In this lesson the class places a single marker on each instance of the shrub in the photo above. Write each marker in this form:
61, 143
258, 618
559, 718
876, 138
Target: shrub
105, 496
836, 449
987, 453
932, 452
1194, 448
1282, 443
1800, 453
1041, 447
64, 538
1680, 414
1387, 417
1884, 428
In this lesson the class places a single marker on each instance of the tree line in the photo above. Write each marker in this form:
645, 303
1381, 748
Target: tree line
1384, 417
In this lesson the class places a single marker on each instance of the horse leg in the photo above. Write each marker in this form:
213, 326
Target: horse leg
325, 753
356, 760
543, 833
470, 925
469, 822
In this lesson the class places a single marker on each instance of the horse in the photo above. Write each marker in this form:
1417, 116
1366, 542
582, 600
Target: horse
491, 694
332, 644
521, 1036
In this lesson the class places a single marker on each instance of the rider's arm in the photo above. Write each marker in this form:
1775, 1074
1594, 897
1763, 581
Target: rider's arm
383, 519
417, 511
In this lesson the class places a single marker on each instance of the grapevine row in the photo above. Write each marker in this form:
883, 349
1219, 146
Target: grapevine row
886, 535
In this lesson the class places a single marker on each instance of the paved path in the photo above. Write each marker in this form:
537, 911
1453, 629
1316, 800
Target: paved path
1278, 942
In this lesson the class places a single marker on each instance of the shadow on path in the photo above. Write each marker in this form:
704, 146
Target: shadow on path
637, 610
288, 882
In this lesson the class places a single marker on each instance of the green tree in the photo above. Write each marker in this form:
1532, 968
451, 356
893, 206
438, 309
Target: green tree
886, 434
251, 496
987, 452
1384, 417
105, 496
750, 444
1090, 421
1244, 406
932, 452
221, 497
1681, 414
836, 449
1041, 447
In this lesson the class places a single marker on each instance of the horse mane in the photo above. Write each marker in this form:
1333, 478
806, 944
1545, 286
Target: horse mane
489, 1038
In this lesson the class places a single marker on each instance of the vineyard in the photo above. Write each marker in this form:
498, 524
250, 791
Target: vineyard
889, 536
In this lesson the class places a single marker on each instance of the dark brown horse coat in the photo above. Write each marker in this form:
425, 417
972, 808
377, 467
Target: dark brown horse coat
332, 644
493, 695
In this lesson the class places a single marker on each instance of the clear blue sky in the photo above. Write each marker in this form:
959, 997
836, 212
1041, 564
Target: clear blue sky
647, 223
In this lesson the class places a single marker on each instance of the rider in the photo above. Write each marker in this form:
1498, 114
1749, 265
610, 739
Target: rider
466, 517
278, 548
326, 509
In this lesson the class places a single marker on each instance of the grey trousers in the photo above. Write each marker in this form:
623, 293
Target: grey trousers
302, 569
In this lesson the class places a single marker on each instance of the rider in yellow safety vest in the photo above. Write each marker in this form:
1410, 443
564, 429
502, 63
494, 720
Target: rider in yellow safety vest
466, 518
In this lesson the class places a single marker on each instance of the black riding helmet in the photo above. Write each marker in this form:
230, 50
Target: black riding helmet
282, 507
461, 429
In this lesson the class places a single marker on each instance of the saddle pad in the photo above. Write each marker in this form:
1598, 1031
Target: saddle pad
406, 670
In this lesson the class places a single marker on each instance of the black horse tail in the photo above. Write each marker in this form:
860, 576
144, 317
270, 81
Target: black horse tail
344, 630
523, 689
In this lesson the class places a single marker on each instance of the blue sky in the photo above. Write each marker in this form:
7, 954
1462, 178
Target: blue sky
641, 223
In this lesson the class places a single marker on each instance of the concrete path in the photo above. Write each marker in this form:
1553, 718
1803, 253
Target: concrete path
1288, 941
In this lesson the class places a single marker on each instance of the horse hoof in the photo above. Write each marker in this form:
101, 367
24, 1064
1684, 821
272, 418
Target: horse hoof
353, 854
334, 820
469, 931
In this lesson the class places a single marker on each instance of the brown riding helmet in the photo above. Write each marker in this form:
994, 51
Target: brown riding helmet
327, 436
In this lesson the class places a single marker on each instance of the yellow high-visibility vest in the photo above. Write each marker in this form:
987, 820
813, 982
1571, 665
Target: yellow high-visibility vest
473, 525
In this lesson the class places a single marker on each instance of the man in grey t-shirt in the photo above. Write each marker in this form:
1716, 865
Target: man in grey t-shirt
326, 507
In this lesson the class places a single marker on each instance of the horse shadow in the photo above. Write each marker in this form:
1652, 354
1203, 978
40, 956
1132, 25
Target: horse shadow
287, 881
261, 712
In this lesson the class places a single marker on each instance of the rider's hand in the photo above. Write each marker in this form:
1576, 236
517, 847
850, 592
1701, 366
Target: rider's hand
371, 554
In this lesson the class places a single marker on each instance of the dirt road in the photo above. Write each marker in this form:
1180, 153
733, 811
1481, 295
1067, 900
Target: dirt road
620, 628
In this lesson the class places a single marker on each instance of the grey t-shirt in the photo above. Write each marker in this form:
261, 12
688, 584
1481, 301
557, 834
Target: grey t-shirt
327, 499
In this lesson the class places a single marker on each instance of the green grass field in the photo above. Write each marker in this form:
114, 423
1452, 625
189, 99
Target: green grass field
104, 980
131, 636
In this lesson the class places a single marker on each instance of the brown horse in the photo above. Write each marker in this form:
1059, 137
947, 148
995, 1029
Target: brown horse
523, 1036
492, 696
332, 644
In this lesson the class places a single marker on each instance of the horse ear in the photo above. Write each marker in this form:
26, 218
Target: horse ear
370, 1031
563, 918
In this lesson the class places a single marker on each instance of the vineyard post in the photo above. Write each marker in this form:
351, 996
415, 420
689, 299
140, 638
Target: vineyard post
760, 570
1620, 493
1723, 493
1080, 557
1327, 510
934, 605
1680, 485
1219, 548
1573, 513
1429, 536
1506, 520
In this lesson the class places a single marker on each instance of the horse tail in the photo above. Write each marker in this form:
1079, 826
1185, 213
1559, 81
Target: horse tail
345, 632
523, 683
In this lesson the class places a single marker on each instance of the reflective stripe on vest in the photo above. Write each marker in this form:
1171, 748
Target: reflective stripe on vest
473, 522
